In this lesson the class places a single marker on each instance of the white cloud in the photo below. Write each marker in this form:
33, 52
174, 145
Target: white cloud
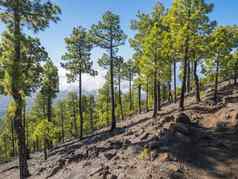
89, 83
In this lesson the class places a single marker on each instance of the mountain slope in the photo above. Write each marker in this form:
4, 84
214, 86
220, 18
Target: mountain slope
199, 143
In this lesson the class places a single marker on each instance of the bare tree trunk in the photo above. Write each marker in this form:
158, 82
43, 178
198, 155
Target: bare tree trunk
12, 138
155, 95
147, 95
45, 148
91, 113
139, 97
198, 99
74, 122
49, 117
80, 105
113, 125
174, 73
170, 92
24, 173
188, 78
62, 121
108, 101
119, 92
181, 104
130, 91
216, 81
159, 95
236, 73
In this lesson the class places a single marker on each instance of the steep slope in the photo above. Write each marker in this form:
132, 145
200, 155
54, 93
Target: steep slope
200, 143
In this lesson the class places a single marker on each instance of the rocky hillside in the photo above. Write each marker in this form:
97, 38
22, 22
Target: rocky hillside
200, 143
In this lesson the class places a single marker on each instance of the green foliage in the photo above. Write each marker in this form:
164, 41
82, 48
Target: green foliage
145, 154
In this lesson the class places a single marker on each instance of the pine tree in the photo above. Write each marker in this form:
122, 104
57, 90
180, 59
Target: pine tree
77, 62
108, 35
36, 16
190, 17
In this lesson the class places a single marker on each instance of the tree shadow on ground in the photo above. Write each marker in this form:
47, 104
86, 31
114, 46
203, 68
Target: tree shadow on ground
202, 149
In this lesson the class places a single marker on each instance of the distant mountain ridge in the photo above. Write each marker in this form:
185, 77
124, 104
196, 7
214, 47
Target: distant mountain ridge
4, 100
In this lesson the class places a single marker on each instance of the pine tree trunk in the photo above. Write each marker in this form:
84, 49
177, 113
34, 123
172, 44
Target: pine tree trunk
12, 138
25, 129
181, 103
119, 92
80, 105
147, 95
139, 97
175, 87
155, 95
170, 92
113, 125
49, 117
130, 91
198, 99
24, 173
164, 92
236, 73
91, 113
216, 81
159, 95
188, 77
74, 122
108, 101
62, 121
45, 149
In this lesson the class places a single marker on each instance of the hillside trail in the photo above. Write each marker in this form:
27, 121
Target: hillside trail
200, 143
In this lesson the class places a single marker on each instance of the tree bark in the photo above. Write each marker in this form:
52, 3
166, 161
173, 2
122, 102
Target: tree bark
74, 122
80, 105
236, 73
147, 95
130, 91
175, 86
119, 92
12, 138
91, 113
170, 92
49, 117
159, 95
62, 121
188, 77
113, 125
45, 149
108, 101
197, 85
216, 81
181, 104
139, 98
155, 95
24, 173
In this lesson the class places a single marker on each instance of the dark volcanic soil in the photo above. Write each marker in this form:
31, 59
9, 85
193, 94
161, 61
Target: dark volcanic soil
201, 143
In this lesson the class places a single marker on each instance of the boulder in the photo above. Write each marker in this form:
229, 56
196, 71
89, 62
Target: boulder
183, 118
183, 128
182, 138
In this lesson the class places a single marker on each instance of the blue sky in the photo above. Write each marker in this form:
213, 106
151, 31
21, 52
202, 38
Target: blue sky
88, 12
